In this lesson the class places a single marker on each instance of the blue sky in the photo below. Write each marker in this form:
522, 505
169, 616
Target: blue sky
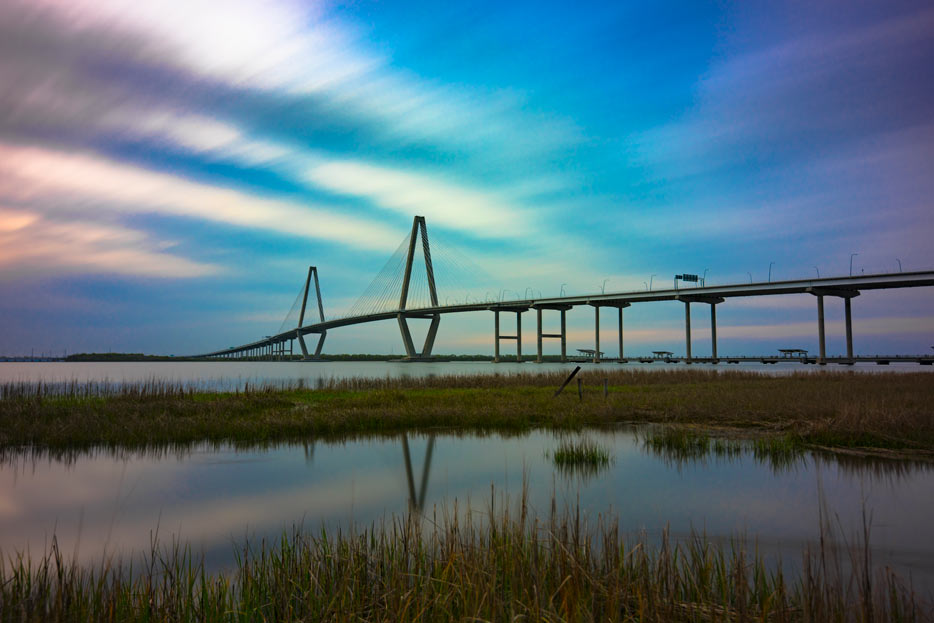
169, 170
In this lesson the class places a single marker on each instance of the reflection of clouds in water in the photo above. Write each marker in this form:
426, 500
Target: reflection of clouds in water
212, 496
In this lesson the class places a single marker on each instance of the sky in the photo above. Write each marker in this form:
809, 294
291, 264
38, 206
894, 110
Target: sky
169, 170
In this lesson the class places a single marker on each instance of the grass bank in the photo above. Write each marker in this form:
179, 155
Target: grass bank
508, 569
841, 409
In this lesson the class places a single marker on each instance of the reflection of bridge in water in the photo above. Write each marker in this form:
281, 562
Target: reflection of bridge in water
416, 499
388, 298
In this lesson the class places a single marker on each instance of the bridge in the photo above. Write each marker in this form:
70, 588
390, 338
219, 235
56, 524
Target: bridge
381, 305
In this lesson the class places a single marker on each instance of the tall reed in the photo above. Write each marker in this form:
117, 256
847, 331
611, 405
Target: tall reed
507, 566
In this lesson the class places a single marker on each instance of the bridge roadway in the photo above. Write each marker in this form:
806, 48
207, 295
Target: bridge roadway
842, 287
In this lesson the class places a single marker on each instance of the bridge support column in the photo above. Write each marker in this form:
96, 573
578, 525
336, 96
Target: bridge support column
620, 305
538, 334
620, 310
410, 351
821, 336
849, 329
846, 295
687, 330
518, 337
432, 333
406, 337
541, 335
596, 334
564, 337
496, 336
713, 332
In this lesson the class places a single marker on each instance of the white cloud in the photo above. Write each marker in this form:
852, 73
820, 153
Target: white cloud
295, 48
32, 244
447, 205
60, 181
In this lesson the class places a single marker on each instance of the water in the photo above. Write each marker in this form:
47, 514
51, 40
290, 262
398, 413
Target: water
99, 503
228, 375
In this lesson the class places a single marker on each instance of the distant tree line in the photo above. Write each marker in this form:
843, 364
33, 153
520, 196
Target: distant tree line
334, 357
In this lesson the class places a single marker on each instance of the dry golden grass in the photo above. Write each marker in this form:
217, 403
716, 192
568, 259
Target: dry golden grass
501, 567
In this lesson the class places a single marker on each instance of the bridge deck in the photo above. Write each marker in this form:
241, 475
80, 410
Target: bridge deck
828, 285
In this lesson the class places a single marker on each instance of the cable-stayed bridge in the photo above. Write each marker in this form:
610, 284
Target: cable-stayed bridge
406, 288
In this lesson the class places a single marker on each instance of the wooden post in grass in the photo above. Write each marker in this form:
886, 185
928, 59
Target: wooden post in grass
566, 381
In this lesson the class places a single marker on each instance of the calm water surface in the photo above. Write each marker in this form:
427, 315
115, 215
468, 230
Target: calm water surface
210, 497
232, 374
214, 497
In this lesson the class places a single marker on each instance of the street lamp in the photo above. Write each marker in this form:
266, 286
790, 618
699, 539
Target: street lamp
704, 278
650, 280
899, 264
603, 287
818, 271
646, 284
750, 276
770, 271
562, 289
852, 255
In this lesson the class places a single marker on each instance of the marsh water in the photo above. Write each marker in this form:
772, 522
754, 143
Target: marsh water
113, 503
230, 375
213, 498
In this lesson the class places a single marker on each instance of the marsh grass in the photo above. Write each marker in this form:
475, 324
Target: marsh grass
681, 444
508, 565
840, 410
582, 456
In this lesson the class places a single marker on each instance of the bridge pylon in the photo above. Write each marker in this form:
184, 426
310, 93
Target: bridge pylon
312, 274
418, 229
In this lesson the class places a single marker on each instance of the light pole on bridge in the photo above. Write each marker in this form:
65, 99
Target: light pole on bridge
852, 255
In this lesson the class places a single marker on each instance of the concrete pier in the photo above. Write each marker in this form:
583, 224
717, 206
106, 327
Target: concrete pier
713, 332
847, 295
687, 330
498, 336
596, 336
849, 328
620, 310
620, 305
821, 335
540, 334
713, 301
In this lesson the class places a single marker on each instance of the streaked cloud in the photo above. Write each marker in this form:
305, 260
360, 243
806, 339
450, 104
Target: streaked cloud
65, 182
260, 135
407, 193
31, 244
